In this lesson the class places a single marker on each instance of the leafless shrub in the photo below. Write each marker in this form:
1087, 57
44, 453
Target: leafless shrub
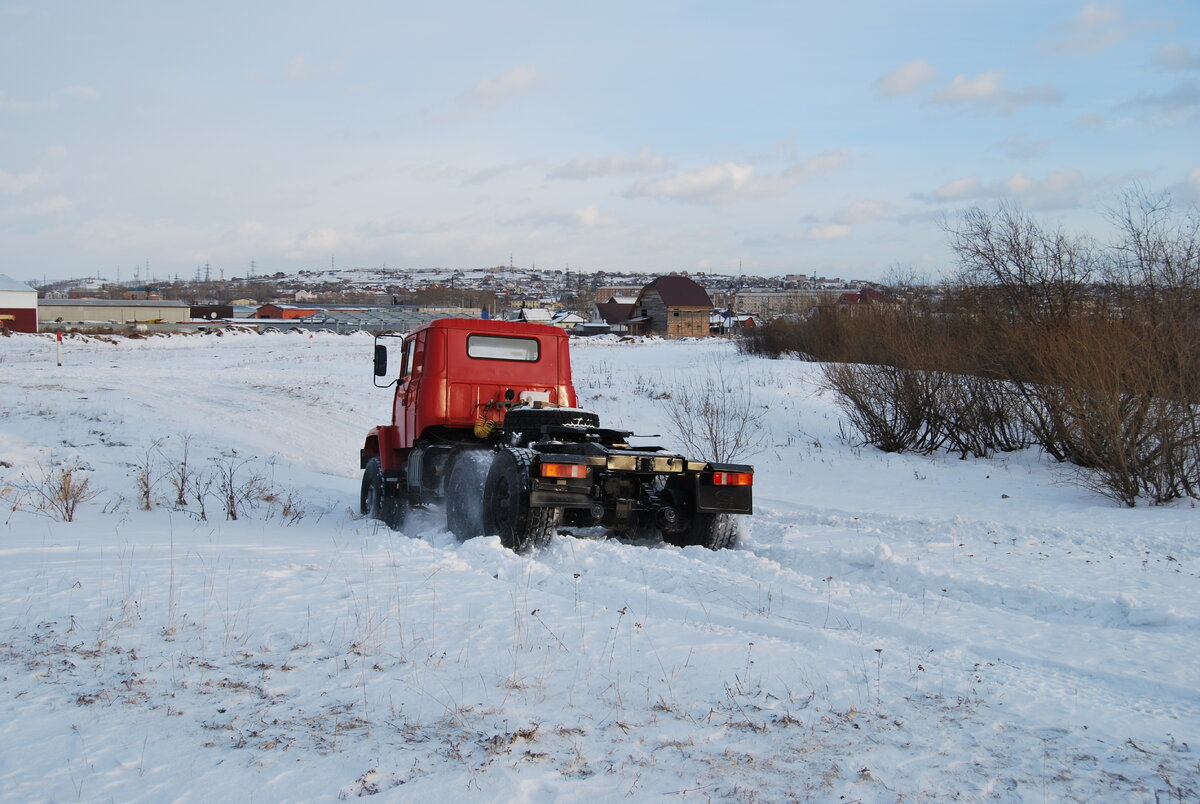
888, 406
291, 508
182, 474
56, 491
713, 415
236, 486
1026, 346
1127, 417
200, 489
146, 476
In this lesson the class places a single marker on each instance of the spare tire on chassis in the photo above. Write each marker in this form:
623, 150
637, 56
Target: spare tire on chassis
527, 423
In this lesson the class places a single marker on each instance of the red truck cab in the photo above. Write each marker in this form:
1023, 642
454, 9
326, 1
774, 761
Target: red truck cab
455, 372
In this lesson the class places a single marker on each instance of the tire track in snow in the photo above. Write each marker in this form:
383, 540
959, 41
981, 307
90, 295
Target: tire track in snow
725, 591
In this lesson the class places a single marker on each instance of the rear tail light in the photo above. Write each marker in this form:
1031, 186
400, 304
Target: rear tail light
733, 478
575, 471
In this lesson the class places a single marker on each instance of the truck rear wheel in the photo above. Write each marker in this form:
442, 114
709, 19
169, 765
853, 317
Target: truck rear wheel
506, 508
374, 501
714, 531
464, 485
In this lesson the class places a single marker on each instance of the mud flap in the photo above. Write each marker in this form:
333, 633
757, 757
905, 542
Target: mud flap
711, 498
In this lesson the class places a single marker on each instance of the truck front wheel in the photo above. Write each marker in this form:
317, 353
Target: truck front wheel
373, 500
506, 508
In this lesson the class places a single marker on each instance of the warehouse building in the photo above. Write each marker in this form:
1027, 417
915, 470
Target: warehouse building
112, 312
18, 306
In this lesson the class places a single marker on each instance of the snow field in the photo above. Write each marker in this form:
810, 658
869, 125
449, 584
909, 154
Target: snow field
891, 628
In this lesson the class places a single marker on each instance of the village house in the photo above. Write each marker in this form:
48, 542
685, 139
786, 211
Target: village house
674, 306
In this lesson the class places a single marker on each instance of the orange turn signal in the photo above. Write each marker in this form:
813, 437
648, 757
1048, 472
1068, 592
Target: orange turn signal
733, 478
569, 470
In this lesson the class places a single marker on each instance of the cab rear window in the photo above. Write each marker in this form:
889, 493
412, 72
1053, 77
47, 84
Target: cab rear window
498, 347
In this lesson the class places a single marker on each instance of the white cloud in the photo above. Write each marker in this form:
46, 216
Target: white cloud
1176, 57
15, 183
1189, 189
824, 162
1180, 102
862, 212
1060, 189
488, 174
966, 187
732, 181
315, 243
706, 185
8, 104
1095, 28
80, 92
831, 231
617, 164
517, 81
591, 217
302, 68
906, 79
50, 206
1021, 148
986, 91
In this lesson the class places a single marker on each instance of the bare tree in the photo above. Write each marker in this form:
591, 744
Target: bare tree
713, 415
1042, 274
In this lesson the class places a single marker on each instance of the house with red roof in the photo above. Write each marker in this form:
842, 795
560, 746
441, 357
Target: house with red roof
673, 306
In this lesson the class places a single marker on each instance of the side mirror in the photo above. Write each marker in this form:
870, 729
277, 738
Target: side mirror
380, 360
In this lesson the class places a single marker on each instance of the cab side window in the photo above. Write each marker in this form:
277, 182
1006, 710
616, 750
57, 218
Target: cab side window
410, 349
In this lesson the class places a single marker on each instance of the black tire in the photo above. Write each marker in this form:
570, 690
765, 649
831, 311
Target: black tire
463, 489
506, 509
372, 489
532, 420
714, 531
375, 503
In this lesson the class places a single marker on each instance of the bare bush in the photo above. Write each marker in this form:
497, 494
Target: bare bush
200, 489
146, 476
889, 406
56, 491
713, 415
1127, 420
182, 474
1026, 347
236, 486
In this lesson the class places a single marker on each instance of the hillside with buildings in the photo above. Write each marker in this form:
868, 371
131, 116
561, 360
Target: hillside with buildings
354, 297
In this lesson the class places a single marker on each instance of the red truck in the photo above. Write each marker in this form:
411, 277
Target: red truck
485, 423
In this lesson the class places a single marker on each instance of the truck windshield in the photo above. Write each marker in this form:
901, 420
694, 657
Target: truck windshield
496, 347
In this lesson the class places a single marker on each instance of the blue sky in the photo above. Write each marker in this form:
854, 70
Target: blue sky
787, 137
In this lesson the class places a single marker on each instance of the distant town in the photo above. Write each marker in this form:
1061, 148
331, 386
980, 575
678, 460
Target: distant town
343, 299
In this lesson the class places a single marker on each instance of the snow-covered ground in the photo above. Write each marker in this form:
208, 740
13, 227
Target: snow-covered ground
891, 628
